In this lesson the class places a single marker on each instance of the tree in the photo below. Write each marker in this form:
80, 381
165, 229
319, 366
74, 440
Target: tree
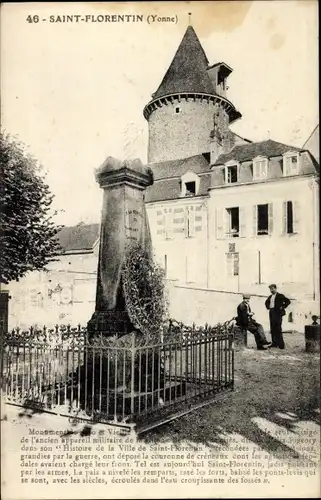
28, 233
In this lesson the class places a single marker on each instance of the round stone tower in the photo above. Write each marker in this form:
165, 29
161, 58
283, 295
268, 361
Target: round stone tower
184, 112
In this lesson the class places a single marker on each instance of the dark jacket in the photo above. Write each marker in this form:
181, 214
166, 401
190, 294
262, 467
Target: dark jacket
243, 318
280, 304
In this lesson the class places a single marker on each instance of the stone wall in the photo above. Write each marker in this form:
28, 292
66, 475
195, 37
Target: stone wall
174, 135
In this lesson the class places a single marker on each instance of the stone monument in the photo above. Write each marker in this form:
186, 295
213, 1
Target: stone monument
123, 222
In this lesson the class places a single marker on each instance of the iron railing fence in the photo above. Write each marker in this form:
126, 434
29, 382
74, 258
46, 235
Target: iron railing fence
125, 380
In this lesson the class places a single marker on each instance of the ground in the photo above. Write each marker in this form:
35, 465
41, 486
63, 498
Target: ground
276, 400
279, 386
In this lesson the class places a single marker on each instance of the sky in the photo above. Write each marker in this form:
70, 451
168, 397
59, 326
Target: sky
74, 92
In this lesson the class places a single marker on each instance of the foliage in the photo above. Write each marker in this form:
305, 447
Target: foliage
28, 233
144, 290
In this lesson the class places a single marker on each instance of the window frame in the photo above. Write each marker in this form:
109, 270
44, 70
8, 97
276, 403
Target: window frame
256, 163
228, 165
269, 220
295, 217
187, 190
228, 228
232, 264
185, 179
290, 155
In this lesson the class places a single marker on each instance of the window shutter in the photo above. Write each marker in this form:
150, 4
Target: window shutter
220, 223
169, 226
229, 264
163, 226
296, 216
255, 220
191, 225
236, 262
242, 221
287, 165
270, 215
285, 217
186, 221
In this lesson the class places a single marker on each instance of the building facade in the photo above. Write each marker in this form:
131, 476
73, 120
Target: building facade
227, 215
65, 293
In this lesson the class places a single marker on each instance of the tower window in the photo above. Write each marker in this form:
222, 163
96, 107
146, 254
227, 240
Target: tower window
177, 109
190, 188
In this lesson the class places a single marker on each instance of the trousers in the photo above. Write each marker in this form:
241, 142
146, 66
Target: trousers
276, 328
258, 332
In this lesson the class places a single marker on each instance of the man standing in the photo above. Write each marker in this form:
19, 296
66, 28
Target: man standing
276, 304
245, 320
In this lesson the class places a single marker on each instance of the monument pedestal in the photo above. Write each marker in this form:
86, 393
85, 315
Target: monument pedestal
123, 223
109, 323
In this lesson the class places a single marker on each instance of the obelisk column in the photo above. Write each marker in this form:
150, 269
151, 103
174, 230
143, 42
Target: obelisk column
123, 223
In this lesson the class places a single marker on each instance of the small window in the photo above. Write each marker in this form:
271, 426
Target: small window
288, 218
190, 184
290, 164
232, 262
231, 174
177, 109
190, 188
263, 219
260, 168
233, 222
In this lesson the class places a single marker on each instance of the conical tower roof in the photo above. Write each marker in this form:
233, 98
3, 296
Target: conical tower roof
188, 70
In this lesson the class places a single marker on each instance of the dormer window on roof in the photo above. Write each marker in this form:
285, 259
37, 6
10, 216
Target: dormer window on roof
231, 172
260, 168
291, 163
190, 184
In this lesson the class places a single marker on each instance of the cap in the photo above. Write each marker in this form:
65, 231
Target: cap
246, 296
272, 286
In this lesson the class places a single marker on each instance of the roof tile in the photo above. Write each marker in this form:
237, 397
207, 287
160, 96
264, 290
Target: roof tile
188, 70
77, 238
246, 152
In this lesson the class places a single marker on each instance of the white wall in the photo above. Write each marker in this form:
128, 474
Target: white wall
63, 295
186, 257
288, 260
196, 305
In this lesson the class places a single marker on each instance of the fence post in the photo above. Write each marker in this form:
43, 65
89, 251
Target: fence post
231, 349
132, 382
